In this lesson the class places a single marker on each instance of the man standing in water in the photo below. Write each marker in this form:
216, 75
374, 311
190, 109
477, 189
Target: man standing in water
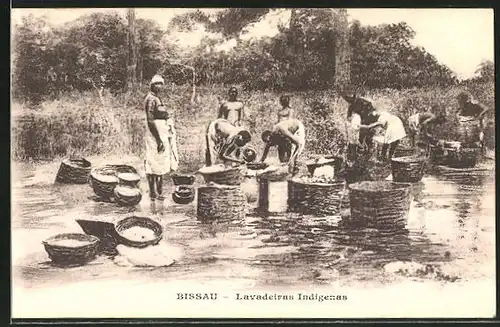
232, 110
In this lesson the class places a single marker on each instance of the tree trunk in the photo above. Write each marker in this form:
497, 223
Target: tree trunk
132, 51
342, 64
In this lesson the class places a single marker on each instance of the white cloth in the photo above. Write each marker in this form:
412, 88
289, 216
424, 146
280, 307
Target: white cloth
393, 128
157, 79
300, 134
168, 160
353, 129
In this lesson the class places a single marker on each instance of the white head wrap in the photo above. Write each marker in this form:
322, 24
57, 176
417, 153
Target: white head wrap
157, 79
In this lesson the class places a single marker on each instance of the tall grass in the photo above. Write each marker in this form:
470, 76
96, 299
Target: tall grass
80, 124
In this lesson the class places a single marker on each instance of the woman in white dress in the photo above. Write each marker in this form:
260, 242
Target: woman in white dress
391, 132
161, 146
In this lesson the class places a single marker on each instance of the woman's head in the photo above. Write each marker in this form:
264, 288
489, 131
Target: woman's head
285, 100
233, 93
242, 138
267, 136
157, 82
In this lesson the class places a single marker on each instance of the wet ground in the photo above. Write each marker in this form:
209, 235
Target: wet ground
451, 229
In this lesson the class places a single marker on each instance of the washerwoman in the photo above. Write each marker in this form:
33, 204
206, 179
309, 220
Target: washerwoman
223, 139
290, 138
232, 110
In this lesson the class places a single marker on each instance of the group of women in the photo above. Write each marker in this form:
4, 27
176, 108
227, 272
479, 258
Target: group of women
227, 140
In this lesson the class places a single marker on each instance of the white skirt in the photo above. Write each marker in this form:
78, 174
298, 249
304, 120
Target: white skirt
394, 130
166, 161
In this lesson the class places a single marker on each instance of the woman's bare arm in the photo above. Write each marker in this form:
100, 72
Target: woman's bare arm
226, 151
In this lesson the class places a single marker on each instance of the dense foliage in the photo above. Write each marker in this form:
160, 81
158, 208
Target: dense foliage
91, 52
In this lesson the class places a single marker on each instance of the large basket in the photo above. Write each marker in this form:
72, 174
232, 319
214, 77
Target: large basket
65, 254
104, 179
127, 196
383, 205
315, 198
463, 157
183, 179
125, 224
228, 176
222, 203
74, 171
408, 169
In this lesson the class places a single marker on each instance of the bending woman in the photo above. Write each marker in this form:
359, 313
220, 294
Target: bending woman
290, 138
222, 140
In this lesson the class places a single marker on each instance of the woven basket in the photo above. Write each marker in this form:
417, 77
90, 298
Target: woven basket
123, 225
183, 195
403, 152
129, 179
229, 176
104, 179
64, 254
315, 198
463, 158
127, 196
222, 203
182, 179
408, 169
74, 171
383, 205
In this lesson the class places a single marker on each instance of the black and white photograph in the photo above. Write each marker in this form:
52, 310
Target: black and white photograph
253, 163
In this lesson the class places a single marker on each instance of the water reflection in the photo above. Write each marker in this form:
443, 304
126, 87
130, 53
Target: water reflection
450, 217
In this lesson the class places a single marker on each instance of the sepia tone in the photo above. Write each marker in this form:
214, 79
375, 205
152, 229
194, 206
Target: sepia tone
179, 163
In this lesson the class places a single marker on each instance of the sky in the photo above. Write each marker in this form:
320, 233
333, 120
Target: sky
458, 38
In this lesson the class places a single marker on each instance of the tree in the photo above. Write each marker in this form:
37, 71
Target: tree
132, 51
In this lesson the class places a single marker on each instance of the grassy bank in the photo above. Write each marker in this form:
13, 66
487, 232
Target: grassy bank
79, 124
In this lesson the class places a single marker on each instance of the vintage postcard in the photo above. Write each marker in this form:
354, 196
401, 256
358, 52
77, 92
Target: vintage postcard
253, 163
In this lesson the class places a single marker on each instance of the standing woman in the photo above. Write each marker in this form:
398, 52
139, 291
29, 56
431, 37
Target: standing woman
392, 132
286, 112
160, 159
223, 140
364, 108
232, 110
290, 138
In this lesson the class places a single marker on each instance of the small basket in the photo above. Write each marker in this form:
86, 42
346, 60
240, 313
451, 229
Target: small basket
463, 157
129, 179
408, 169
64, 254
104, 179
318, 199
127, 196
229, 176
183, 195
222, 203
74, 171
127, 223
383, 205
182, 179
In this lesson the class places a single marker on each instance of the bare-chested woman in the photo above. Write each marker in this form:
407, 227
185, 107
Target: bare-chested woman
223, 139
232, 110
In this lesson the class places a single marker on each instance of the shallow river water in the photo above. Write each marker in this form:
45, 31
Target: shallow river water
451, 226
